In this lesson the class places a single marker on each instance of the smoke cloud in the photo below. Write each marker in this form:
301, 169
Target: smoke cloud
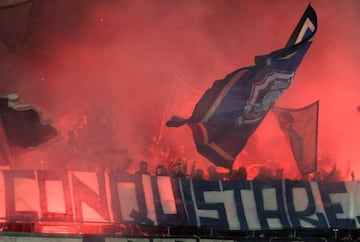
107, 69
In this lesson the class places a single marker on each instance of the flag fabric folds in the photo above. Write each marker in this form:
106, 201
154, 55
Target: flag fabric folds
231, 110
22, 124
300, 127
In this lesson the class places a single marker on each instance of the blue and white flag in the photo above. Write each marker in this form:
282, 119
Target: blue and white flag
231, 110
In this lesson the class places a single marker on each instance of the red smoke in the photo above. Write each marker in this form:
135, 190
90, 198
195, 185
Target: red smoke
114, 64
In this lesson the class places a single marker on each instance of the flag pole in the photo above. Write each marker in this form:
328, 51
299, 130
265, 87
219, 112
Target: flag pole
167, 107
157, 139
316, 137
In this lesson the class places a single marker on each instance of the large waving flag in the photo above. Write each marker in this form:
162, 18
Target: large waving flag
231, 110
300, 127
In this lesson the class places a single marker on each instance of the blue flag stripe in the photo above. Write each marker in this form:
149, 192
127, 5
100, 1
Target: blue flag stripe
221, 96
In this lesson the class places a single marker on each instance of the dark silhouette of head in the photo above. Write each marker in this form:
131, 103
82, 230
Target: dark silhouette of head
286, 121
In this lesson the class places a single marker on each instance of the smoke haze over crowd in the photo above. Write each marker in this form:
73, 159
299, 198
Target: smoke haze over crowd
115, 62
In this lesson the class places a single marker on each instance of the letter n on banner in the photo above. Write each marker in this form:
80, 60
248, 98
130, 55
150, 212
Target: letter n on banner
90, 196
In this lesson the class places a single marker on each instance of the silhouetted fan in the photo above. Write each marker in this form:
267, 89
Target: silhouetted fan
22, 124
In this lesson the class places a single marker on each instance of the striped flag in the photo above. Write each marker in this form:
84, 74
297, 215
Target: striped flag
232, 109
